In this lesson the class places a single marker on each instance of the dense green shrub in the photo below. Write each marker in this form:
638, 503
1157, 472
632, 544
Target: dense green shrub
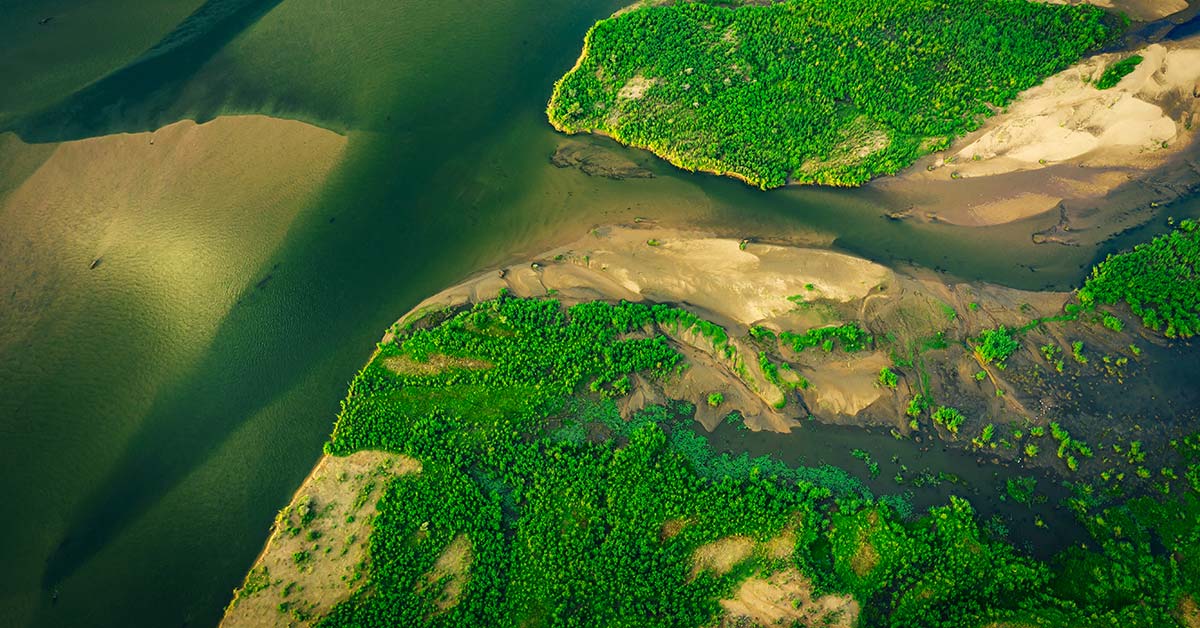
1160, 280
851, 336
996, 345
1117, 71
830, 92
576, 516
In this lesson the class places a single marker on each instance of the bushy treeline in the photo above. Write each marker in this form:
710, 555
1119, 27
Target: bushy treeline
573, 516
1160, 280
831, 92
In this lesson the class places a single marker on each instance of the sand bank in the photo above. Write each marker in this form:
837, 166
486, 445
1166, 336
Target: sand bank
1083, 142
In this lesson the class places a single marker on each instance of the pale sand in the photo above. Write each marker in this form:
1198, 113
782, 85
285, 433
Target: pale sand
713, 274
333, 569
1140, 10
721, 555
785, 598
1106, 136
849, 385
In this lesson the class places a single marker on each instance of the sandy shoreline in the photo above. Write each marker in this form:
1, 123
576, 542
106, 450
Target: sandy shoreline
780, 288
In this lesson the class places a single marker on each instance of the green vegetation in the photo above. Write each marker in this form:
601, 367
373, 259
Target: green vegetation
951, 418
996, 345
830, 92
1077, 352
576, 516
1021, 489
888, 378
1160, 280
850, 336
1117, 71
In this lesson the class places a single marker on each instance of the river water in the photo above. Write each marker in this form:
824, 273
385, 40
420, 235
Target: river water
152, 423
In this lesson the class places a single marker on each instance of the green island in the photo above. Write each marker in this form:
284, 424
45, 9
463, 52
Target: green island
510, 481
831, 92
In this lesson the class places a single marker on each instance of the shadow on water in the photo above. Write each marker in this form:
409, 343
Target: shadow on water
393, 227
132, 98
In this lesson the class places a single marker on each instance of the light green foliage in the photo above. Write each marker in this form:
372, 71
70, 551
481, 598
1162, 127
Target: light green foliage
888, 378
763, 334
715, 399
918, 404
996, 345
865, 456
1112, 322
1117, 71
985, 436
817, 91
1160, 280
851, 336
1077, 352
951, 418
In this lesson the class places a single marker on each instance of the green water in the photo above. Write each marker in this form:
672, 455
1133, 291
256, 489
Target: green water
152, 423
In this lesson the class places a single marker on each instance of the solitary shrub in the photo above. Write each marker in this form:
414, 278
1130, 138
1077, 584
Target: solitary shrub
950, 417
888, 378
996, 345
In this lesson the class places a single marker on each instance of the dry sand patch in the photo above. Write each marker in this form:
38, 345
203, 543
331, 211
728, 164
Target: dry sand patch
316, 555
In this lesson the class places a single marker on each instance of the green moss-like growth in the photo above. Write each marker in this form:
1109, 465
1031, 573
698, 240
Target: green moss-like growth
831, 92
1118, 71
1160, 280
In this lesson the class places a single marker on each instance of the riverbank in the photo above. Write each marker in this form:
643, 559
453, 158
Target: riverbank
916, 317
1065, 142
809, 339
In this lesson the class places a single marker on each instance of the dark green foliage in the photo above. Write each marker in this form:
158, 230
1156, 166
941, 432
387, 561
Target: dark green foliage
942, 570
565, 504
1117, 71
1160, 280
816, 91
1021, 489
996, 345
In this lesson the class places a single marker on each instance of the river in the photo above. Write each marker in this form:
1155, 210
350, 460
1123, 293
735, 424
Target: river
151, 425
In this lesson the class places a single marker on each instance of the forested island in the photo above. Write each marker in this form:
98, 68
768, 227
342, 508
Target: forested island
830, 92
529, 459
